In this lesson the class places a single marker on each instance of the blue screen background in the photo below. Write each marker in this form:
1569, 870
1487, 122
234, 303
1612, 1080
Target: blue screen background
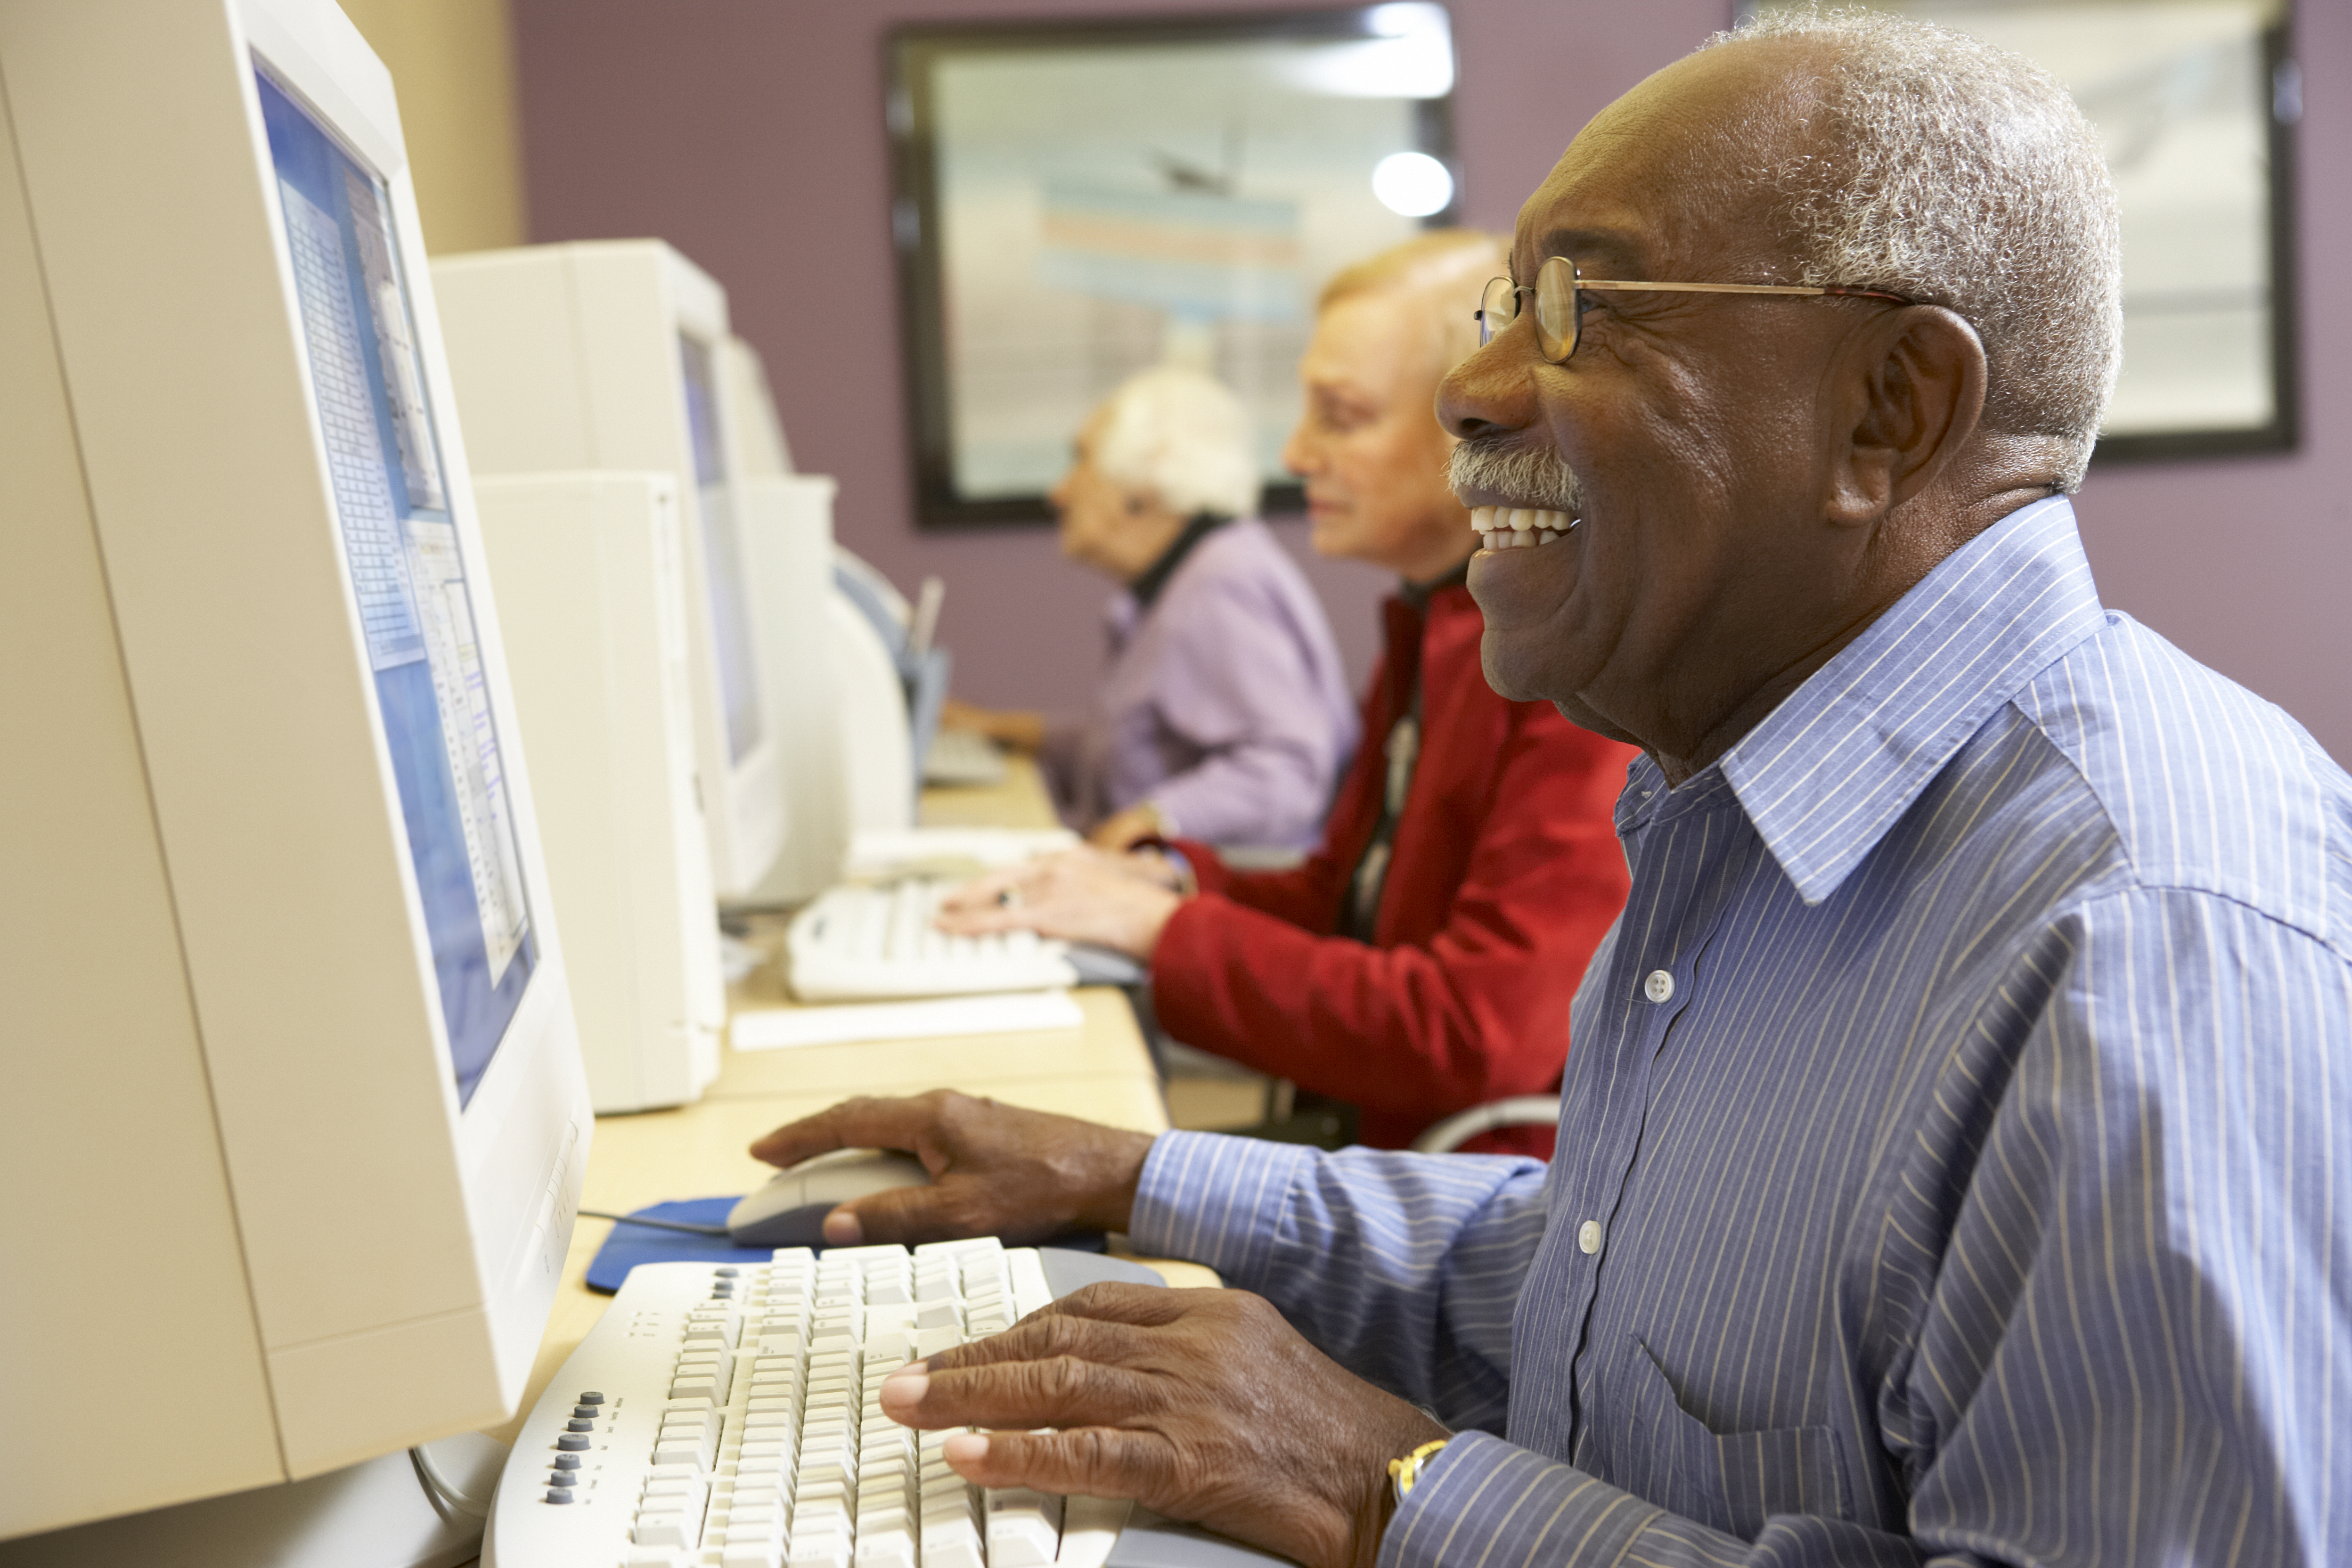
475, 1011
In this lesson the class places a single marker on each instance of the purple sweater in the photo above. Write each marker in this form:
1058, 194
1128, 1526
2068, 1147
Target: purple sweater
1224, 704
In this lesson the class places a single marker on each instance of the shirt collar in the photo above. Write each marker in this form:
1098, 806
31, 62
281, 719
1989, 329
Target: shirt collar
1830, 771
1154, 577
1418, 595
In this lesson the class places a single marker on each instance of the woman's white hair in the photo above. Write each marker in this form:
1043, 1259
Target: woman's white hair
1180, 436
1957, 174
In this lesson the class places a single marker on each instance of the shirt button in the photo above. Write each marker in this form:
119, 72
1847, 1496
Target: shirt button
1659, 987
1588, 1236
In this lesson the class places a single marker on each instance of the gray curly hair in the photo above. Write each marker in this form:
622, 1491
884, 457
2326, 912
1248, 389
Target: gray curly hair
1960, 175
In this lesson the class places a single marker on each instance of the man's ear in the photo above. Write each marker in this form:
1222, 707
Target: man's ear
1917, 379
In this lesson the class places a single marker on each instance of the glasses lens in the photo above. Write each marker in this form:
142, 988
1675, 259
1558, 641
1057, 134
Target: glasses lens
1555, 308
1497, 307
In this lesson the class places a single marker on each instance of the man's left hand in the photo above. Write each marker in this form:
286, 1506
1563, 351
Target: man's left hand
1204, 1406
1081, 895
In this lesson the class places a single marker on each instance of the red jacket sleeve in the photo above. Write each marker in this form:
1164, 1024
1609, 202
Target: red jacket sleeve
1507, 874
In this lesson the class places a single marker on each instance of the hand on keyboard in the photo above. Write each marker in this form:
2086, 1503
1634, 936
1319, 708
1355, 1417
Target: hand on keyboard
1080, 895
1204, 1406
996, 1170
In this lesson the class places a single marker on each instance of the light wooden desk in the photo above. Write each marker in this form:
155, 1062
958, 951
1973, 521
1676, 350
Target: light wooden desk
1100, 1071
1020, 800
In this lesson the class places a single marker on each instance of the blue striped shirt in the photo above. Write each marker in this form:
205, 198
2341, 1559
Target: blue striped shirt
1953, 1159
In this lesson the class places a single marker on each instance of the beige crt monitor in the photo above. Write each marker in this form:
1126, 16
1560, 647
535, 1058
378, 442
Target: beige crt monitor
834, 688
761, 449
788, 545
606, 355
592, 596
291, 1114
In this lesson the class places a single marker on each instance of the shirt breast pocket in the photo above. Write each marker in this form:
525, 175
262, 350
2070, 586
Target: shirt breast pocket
1732, 1482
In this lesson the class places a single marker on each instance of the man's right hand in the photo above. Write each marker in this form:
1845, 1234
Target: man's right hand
995, 1170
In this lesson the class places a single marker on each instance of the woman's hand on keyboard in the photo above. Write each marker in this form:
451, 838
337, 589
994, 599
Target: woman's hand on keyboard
996, 1170
1080, 895
1204, 1406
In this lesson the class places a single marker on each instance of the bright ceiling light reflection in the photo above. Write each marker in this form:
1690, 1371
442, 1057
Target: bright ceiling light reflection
1412, 184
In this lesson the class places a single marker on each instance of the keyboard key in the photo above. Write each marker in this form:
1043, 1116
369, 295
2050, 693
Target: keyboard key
951, 1543
1024, 1528
665, 1528
821, 1551
885, 1548
1090, 1526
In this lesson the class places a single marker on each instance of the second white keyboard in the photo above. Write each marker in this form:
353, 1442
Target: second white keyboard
862, 943
963, 757
727, 1417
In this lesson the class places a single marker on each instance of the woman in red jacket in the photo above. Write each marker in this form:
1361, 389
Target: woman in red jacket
1422, 960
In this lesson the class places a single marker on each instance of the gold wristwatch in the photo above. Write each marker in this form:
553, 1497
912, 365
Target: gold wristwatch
1404, 1472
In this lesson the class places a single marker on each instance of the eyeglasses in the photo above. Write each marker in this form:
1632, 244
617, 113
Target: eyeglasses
1560, 290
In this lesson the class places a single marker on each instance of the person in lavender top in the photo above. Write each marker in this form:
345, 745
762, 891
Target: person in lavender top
1224, 714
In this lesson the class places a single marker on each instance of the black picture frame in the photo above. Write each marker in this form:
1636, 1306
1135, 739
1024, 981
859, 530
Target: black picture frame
913, 53
2284, 431
2275, 88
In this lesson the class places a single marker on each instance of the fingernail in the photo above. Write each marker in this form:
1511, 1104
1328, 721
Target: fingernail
903, 1389
842, 1229
965, 1449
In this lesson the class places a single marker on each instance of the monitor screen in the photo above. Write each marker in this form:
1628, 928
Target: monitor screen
730, 613
407, 578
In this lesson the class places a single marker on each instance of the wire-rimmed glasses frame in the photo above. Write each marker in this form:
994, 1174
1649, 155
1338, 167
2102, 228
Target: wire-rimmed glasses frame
1559, 308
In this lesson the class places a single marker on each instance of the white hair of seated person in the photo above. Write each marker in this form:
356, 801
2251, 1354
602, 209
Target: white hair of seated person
1957, 174
1182, 436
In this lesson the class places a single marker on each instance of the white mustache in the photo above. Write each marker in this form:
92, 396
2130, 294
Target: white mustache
1527, 476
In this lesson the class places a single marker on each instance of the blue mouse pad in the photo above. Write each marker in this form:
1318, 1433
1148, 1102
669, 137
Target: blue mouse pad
630, 1244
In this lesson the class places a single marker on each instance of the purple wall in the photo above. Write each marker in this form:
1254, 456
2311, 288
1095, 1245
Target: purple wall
749, 133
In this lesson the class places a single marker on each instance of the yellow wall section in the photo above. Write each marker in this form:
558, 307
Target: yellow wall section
452, 63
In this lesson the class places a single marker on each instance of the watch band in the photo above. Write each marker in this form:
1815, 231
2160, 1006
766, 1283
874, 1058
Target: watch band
1404, 1472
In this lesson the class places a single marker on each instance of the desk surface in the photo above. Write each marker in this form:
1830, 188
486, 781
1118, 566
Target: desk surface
1020, 800
1100, 1071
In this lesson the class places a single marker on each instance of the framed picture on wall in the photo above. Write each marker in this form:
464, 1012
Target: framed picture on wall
1076, 201
2197, 101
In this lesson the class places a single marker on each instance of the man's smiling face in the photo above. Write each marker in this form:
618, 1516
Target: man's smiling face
1698, 427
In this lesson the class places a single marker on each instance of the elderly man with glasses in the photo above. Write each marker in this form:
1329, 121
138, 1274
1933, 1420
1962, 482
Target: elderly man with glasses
1954, 1161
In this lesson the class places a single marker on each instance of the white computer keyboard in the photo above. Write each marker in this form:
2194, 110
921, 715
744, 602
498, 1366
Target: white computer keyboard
963, 757
727, 1417
858, 944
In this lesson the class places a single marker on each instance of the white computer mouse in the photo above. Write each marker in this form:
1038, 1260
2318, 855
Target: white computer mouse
790, 1210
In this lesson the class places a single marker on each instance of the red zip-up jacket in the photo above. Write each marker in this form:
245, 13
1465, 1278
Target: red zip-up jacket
1506, 873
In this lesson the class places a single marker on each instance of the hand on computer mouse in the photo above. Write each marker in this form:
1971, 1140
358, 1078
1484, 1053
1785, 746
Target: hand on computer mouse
1082, 895
995, 1170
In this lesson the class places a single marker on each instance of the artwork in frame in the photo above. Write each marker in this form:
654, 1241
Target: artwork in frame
2197, 102
1078, 200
